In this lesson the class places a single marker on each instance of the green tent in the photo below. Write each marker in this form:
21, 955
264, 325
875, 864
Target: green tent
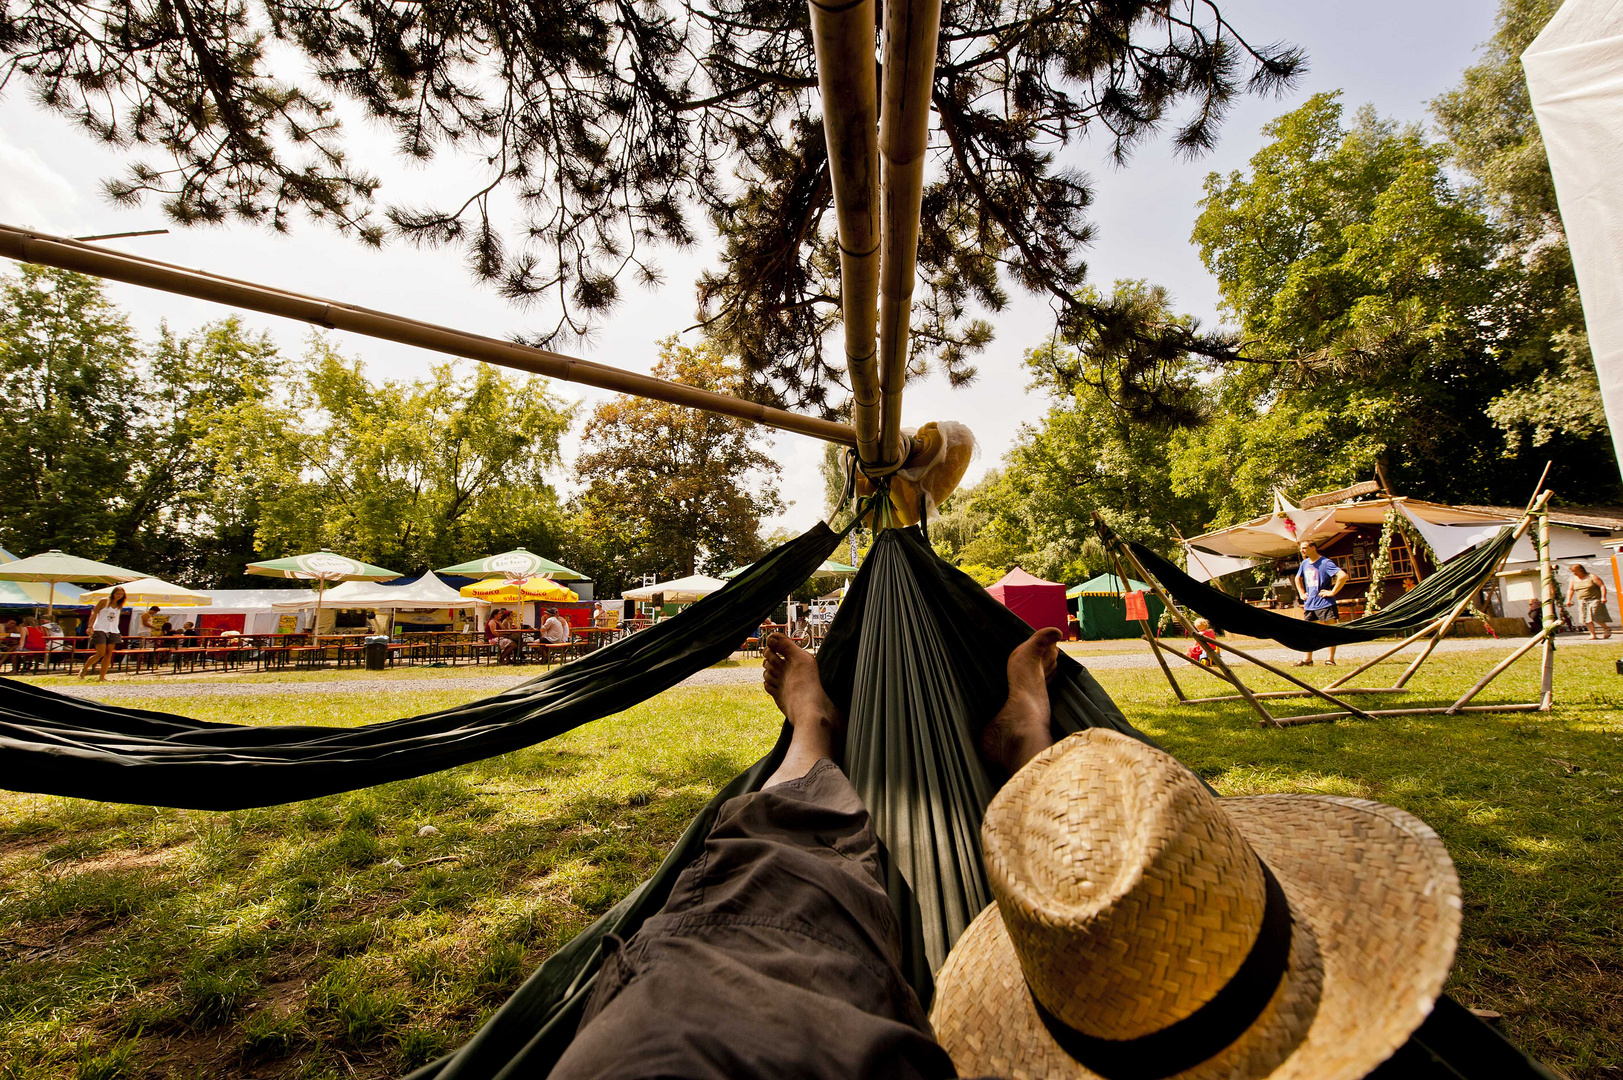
1101, 611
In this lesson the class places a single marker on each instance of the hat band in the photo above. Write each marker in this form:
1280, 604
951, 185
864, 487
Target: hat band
1208, 1030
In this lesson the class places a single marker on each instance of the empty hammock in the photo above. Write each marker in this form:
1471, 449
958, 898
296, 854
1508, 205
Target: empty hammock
1433, 598
916, 657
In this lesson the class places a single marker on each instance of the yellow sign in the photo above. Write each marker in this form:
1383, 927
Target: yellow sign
287, 624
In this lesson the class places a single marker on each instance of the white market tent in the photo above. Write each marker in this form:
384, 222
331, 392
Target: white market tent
683, 590
422, 593
256, 606
1574, 72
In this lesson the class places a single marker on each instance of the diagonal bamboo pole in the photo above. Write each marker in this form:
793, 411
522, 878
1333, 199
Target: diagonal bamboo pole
911, 30
1119, 551
1543, 637
26, 245
843, 34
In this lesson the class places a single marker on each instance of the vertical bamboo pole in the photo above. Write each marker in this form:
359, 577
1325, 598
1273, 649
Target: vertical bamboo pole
843, 35
1551, 621
911, 30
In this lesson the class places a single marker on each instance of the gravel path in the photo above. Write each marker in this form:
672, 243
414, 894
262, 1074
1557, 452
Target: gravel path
473, 684
739, 676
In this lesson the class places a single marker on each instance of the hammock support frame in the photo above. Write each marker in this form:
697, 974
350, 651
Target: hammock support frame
1534, 518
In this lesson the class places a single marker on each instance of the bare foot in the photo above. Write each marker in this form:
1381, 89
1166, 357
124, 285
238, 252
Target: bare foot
791, 678
1020, 731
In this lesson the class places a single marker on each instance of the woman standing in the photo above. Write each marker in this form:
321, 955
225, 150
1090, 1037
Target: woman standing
1590, 593
104, 635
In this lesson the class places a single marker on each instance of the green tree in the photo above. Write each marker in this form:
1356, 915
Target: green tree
71, 399
197, 383
1348, 248
407, 475
672, 491
1489, 123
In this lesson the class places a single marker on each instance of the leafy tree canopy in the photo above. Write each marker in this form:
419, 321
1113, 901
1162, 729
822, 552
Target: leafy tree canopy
671, 491
1489, 123
597, 132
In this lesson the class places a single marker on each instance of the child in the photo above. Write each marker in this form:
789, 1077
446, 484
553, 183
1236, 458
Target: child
1196, 652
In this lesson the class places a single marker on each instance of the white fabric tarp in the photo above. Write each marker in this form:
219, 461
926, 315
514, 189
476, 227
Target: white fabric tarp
1574, 74
1204, 567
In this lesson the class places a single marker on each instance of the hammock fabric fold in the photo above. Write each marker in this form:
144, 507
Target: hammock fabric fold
916, 656
54, 744
1431, 599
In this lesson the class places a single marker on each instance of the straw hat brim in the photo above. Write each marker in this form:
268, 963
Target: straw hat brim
1376, 909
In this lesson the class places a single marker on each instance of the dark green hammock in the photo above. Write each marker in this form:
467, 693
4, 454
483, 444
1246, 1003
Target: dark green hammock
916, 657
1433, 598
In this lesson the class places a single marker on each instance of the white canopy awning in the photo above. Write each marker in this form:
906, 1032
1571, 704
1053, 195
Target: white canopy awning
425, 592
679, 591
1574, 74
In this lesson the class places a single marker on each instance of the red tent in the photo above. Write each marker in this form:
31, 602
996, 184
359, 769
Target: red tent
1041, 603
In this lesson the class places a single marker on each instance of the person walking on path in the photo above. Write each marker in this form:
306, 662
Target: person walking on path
1317, 582
1589, 592
104, 634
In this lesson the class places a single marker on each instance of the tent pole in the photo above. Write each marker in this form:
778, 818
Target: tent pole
50, 602
27, 245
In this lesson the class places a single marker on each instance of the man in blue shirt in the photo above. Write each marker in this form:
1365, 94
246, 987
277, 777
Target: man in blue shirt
1317, 582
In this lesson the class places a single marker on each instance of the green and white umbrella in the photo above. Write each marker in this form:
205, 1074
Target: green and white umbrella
514, 564
321, 567
54, 566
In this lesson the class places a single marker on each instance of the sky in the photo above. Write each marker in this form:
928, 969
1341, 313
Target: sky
1394, 55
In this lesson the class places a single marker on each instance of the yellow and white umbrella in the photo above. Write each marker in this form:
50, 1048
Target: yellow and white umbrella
150, 591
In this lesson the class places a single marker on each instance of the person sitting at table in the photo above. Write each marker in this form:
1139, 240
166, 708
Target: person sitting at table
33, 642
189, 630
150, 624
554, 631
495, 633
11, 637
55, 639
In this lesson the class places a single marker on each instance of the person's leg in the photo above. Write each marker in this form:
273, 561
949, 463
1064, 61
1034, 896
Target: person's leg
1020, 731
107, 659
95, 654
791, 677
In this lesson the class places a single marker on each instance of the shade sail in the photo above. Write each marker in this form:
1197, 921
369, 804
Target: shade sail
149, 591
1574, 72
320, 565
518, 563
678, 590
524, 591
55, 566
1041, 603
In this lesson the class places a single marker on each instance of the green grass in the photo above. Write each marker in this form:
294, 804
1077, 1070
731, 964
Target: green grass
327, 938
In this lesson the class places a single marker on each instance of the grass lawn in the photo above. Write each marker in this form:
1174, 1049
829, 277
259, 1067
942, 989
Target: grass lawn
331, 938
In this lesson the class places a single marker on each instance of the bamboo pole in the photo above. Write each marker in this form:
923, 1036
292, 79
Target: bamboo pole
1551, 620
1117, 552
26, 245
843, 35
912, 28
1155, 651
1544, 636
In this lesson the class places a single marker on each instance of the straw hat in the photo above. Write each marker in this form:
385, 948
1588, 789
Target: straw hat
1145, 929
